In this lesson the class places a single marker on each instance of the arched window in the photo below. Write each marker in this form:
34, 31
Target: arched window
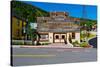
63, 36
57, 37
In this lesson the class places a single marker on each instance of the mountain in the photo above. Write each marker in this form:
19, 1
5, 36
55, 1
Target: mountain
26, 11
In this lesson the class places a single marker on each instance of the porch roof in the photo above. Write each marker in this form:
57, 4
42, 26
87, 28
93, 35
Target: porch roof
58, 30
58, 27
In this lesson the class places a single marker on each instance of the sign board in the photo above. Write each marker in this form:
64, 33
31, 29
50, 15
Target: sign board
33, 25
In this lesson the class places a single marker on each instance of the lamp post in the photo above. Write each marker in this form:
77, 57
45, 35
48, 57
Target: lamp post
24, 31
86, 33
26, 28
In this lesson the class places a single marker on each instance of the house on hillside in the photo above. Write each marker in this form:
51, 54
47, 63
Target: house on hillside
59, 26
17, 27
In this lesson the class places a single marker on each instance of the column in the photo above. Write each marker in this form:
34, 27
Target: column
50, 37
77, 36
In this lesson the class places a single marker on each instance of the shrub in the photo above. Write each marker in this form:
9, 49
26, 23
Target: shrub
76, 43
21, 43
84, 44
38, 43
45, 43
28, 43
17, 43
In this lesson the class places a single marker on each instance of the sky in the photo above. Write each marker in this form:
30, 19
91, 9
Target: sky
74, 10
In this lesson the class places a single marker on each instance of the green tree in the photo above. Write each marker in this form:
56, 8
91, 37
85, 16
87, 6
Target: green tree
35, 37
27, 12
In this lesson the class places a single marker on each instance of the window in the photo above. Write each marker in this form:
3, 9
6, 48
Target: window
63, 36
18, 22
73, 35
59, 18
45, 37
18, 32
57, 37
44, 20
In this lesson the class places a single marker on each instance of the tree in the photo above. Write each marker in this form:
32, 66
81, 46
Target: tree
35, 37
27, 11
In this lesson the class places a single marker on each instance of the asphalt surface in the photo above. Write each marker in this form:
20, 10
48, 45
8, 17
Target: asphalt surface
93, 42
40, 56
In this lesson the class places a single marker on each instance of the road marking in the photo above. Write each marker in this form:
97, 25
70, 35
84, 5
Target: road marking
75, 51
60, 50
86, 51
34, 55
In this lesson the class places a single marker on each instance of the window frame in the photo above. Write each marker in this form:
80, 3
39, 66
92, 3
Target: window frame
46, 37
73, 35
57, 37
62, 36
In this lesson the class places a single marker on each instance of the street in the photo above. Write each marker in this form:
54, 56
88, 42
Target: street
40, 56
93, 42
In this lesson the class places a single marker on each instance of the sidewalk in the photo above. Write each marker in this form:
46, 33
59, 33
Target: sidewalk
42, 46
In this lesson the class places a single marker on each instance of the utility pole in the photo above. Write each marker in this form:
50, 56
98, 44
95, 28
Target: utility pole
84, 16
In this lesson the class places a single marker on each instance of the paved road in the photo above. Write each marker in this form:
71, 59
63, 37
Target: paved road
93, 42
40, 56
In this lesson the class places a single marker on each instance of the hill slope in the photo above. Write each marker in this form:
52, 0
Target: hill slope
26, 11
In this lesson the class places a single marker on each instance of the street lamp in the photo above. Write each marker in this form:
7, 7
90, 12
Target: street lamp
86, 33
26, 28
24, 31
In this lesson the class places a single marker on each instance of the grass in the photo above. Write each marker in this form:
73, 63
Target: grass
45, 43
83, 44
17, 43
82, 36
26, 43
21, 43
91, 36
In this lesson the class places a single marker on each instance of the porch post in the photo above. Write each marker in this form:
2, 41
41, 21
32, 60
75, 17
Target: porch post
77, 36
50, 37
68, 38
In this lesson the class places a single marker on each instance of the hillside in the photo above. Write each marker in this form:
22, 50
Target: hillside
30, 12
26, 11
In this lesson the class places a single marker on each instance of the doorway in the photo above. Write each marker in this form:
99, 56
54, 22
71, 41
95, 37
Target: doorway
59, 37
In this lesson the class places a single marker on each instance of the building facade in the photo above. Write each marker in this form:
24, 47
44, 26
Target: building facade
58, 27
17, 28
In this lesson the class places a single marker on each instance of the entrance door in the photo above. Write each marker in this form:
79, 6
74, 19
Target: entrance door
59, 38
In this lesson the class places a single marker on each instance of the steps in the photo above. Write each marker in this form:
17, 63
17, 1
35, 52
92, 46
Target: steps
61, 45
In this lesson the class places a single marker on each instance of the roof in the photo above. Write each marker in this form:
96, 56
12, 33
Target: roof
57, 23
57, 27
58, 30
64, 13
13, 14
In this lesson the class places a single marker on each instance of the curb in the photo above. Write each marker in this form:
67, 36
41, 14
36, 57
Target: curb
50, 47
59, 47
